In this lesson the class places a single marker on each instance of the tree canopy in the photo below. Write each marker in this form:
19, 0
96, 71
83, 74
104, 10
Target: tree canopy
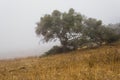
64, 26
72, 29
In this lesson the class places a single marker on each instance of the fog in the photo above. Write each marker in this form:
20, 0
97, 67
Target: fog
18, 21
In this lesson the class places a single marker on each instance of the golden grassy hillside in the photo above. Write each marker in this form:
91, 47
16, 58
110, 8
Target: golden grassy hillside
102, 63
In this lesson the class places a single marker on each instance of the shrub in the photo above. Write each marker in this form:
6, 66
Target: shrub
56, 50
110, 35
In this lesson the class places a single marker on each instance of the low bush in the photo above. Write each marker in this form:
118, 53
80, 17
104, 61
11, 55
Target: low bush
57, 50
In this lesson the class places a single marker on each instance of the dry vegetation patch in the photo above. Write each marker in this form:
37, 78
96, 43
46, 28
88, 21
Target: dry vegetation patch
102, 63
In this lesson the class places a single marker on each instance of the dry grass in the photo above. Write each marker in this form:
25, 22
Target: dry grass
94, 64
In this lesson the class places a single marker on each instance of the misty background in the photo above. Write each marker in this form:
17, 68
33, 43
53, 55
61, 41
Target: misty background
18, 21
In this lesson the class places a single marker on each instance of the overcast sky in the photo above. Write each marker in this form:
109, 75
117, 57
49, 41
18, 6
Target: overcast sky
18, 18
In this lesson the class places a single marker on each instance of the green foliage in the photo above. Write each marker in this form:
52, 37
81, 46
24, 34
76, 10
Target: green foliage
94, 30
112, 37
98, 33
73, 31
109, 35
64, 26
56, 50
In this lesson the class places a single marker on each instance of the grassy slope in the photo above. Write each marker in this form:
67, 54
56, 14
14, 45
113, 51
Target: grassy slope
94, 64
